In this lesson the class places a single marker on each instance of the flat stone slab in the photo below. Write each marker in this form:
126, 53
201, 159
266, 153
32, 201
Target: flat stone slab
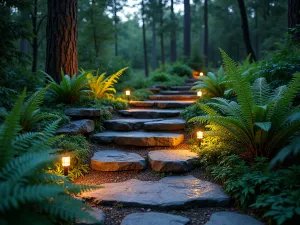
127, 124
77, 127
84, 112
192, 80
99, 216
155, 90
162, 104
232, 218
181, 88
115, 160
160, 86
178, 92
154, 218
150, 113
170, 192
165, 125
172, 160
173, 97
139, 138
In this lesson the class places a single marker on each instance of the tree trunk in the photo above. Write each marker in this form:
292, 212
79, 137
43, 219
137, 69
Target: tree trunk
61, 37
187, 28
35, 37
294, 18
245, 29
173, 34
205, 44
116, 27
24, 43
161, 34
256, 34
94, 29
154, 53
144, 41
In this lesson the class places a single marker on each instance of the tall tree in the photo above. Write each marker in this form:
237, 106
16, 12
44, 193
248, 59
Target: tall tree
94, 27
245, 28
61, 37
187, 28
153, 12
161, 31
144, 41
205, 43
173, 33
294, 18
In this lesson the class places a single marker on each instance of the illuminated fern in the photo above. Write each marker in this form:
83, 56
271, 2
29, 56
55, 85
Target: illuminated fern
102, 87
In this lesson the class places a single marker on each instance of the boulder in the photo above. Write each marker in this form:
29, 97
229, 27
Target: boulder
77, 127
232, 218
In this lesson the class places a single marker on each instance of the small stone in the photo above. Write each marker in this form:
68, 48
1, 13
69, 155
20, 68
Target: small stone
154, 218
99, 216
172, 160
114, 160
77, 127
232, 218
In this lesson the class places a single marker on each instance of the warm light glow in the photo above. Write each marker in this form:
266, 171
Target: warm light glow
199, 134
199, 93
127, 92
66, 161
201, 74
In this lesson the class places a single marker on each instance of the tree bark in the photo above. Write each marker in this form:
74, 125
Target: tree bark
154, 52
161, 34
144, 41
96, 46
24, 43
116, 27
294, 18
173, 34
187, 28
62, 28
35, 37
205, 44
245, 29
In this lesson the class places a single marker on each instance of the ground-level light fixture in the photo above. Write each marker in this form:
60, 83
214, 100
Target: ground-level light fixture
201, 74
199, 137
127, 93
66, 161
199, 93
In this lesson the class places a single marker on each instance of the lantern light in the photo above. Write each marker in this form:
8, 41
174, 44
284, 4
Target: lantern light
127, 93
199, 137
66, 161
201, 74
199, 93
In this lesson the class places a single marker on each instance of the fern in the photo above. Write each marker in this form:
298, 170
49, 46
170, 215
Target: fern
102, 87
25, 188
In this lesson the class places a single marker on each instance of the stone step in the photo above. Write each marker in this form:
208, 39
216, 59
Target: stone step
154, 218
181, 88
77, 127
160, 86
115, 160
173, 97
150, 113
127, 124
176, 192
139, 138
86, 113
155, 90
165, 125
161, 104
175, 161
178, 92
232, 218
192, 80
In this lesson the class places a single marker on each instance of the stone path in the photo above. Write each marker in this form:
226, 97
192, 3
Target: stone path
152, 123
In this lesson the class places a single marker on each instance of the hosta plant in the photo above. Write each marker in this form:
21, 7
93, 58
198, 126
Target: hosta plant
28, 194
70, 89
262, 121
103, 87
213, 85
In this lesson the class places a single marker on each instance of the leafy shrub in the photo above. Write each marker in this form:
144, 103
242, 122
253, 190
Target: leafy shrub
70, 89
6, 97
117, 103
78, 147
180, 70
213, 85
102, 87
196, 60
192, 111
274, 192
26, 190
262, 121
141, 94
